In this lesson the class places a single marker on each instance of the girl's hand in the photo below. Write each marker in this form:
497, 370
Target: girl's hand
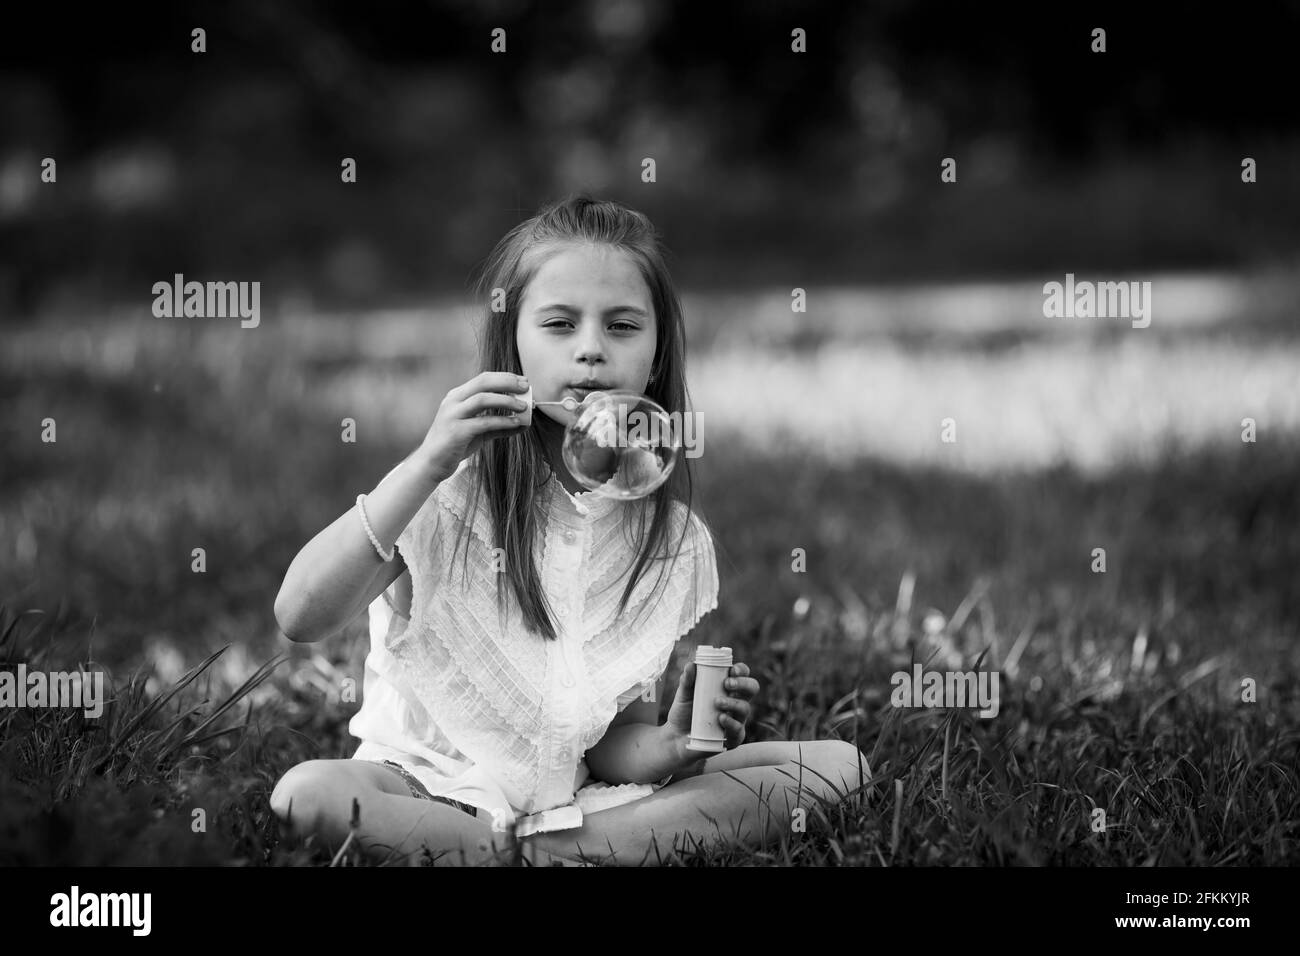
737, 691
465, 419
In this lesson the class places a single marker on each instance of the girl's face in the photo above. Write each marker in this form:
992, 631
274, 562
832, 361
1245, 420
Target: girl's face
587, 315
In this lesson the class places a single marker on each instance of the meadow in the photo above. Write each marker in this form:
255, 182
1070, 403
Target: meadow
1120, 691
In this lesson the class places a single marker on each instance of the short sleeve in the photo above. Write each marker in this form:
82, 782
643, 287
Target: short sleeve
416, 543
387, 596
702, 592
416, 540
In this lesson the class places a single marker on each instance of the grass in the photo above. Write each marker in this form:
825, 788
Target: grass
1119, 691
1149, 728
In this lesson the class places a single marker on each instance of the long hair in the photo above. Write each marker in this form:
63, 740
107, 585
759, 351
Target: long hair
511, 470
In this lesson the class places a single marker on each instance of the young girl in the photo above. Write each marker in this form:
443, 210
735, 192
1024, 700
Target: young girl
521, 626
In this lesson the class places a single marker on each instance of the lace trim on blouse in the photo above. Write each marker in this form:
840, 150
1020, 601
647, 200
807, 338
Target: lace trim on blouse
491, 692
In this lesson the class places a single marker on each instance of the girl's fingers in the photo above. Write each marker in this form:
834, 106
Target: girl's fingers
734, 730
496, 421
491, 427
738, 676
741, 686
736, 707
485, 381
481, 402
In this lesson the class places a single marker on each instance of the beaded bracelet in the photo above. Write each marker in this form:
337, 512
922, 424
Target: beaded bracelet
361, 510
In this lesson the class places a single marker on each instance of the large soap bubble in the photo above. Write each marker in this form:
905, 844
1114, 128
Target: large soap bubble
621, 445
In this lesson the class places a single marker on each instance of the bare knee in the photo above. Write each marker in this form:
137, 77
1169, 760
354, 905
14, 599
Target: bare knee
830, 763
850, 763
304, 794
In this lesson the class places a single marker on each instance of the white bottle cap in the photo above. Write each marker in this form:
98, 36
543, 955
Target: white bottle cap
717, 656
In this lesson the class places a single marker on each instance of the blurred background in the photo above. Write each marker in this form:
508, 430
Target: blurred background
775, 170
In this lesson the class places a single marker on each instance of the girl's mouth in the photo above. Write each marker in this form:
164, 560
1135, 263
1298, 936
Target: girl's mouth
574, 397
581, 392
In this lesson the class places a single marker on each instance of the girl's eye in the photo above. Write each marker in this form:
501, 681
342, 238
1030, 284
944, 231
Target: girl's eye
628, 326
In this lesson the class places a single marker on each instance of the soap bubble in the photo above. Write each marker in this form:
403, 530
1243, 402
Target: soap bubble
621, 445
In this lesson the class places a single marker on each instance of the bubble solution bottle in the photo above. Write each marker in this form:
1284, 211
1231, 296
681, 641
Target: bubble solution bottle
711, 667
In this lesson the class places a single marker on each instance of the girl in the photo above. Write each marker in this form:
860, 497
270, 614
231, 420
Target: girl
518, 697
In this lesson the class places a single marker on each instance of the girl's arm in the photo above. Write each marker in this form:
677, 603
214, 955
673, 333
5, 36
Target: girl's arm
636, 748
337, 573
641, 753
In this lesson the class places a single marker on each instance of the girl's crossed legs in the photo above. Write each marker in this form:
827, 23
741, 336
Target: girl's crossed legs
316, 797
746, 795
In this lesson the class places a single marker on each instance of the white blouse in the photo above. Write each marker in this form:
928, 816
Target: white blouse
481, 710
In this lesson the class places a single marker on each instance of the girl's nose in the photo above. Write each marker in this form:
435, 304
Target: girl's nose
591, 348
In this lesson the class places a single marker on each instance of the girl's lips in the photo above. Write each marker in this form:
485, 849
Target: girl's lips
573, 398
583, 391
